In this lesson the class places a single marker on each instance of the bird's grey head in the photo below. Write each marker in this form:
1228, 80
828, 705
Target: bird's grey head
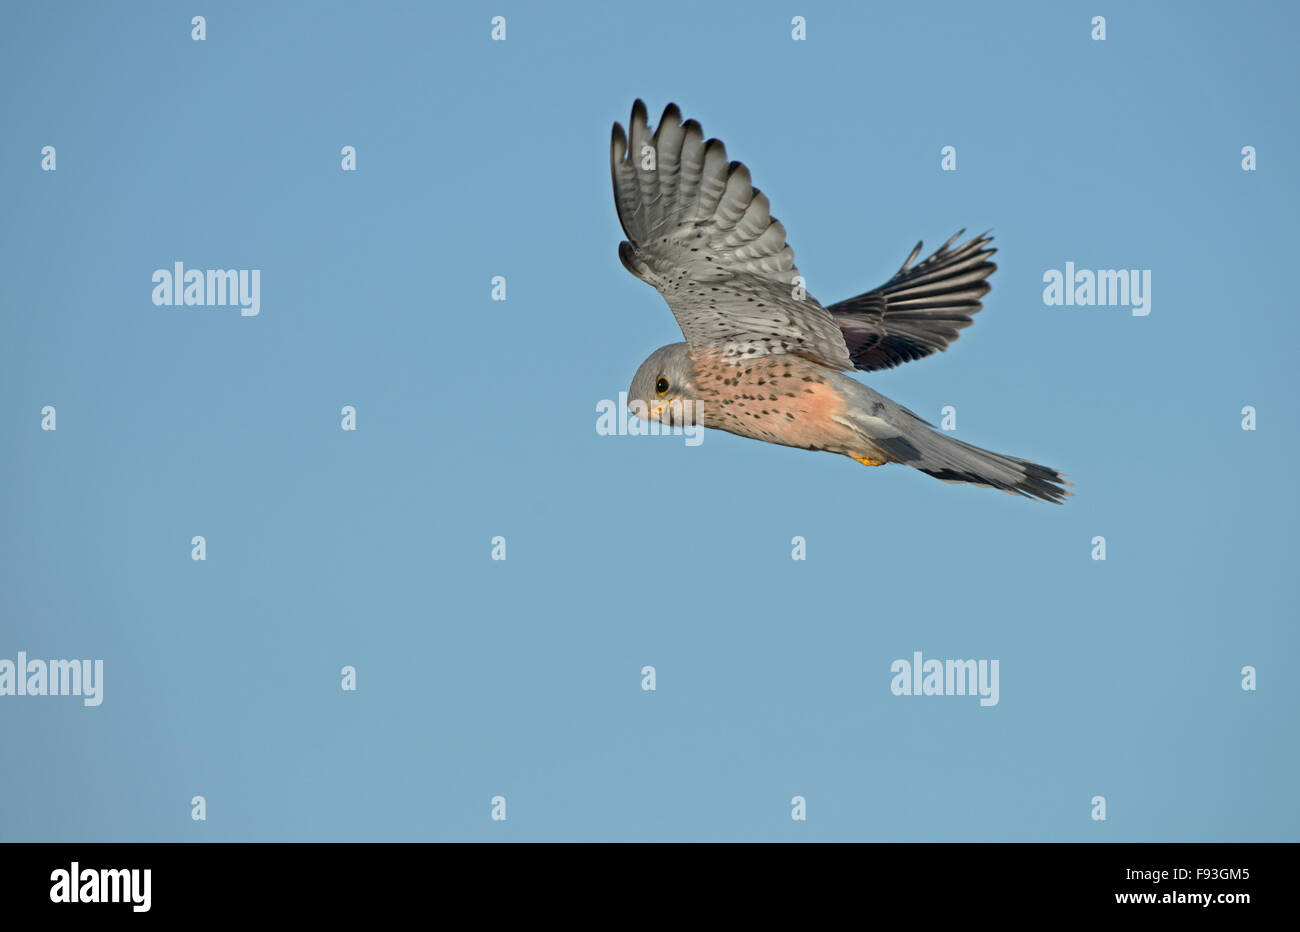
663, 389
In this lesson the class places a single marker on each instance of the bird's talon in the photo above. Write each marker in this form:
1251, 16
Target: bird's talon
867, 461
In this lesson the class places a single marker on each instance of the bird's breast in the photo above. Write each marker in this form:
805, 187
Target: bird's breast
776, 399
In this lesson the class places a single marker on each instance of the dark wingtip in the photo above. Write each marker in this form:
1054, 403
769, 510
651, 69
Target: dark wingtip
1044, 484
952, 239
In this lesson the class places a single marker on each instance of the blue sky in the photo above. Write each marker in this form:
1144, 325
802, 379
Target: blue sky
476, 418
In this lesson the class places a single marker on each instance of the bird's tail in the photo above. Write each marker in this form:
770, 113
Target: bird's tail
952, 460
914, 442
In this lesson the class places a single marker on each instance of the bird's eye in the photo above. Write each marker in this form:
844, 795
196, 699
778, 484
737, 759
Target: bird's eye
662, 386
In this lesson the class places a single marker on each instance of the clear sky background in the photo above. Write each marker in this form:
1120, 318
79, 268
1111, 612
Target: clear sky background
476, 418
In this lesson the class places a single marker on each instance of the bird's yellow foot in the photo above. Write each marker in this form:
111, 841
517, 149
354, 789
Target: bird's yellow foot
867, 461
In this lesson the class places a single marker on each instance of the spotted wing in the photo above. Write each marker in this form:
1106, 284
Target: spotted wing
701, 233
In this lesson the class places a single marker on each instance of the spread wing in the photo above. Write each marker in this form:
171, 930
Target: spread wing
921, 309
700, 232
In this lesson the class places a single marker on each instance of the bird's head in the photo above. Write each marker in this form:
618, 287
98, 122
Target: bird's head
663, 389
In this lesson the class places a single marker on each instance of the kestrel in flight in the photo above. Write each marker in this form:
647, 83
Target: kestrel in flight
763, 358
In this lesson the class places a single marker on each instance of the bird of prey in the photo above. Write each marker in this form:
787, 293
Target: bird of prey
762, 357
